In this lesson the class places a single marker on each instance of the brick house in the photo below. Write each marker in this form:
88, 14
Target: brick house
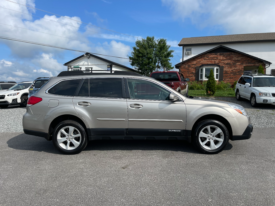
228, 56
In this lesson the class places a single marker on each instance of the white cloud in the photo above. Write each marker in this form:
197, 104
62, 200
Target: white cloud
48, 62
4, 63
246, 16
173, 43
20, 73
116, 49
43, 71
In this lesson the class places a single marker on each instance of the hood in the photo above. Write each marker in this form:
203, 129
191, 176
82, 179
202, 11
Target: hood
217, 103
266, 89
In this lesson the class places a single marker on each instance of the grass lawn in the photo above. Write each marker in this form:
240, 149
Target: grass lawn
219, 93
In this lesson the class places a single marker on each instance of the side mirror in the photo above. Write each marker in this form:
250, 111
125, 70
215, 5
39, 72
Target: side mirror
173, 97
187, 79
247, 84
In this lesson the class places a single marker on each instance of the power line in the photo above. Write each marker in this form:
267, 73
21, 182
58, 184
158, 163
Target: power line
47, 45
70, 18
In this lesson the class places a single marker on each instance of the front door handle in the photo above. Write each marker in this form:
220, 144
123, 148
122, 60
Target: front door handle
136, 106
85, 104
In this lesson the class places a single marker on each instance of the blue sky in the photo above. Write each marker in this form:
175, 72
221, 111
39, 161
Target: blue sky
85, 25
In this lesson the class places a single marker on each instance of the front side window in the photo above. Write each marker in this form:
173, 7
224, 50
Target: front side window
141, 89
248, 80
65, 88
108, 88
205, 73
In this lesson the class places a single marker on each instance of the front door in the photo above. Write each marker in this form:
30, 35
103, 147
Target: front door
151, 114
101, 102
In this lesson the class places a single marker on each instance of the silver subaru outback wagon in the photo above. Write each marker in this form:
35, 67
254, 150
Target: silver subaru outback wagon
76, 107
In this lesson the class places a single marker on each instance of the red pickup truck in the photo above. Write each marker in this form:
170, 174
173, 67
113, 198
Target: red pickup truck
173, 79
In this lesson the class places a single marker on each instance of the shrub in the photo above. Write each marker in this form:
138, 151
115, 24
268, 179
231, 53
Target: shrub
195, 86
261, 69
234, 85
223, 86
211, 84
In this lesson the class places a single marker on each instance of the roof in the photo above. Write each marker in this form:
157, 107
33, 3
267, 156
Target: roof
103, 59
82, 73
223, 48
234, 38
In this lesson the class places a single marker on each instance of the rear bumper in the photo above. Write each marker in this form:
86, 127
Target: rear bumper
246, 135
36, 133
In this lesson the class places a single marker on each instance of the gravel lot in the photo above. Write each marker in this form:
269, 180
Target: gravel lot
32, 172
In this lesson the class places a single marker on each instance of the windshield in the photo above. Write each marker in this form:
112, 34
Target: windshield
39, 83
165, 76
20, 86
264, 82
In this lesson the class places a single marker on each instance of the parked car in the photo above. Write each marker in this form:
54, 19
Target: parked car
6, 85
259, 89
76, 107
173, 79
17, 94
37, 84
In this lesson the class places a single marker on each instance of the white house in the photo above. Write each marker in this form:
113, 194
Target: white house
92, 63
258, 45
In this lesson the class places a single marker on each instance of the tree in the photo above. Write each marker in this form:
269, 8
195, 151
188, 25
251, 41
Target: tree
211, 84
261, 69
163, 55
149, 54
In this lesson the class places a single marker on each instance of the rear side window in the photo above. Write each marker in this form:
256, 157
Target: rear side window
84, 90
109, 87
39, 83
6, 86
65, 88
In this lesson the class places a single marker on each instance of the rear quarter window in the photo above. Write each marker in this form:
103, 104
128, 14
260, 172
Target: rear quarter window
65, 88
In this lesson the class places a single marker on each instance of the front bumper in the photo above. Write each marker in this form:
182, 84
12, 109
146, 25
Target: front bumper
246, 135
265, 100
8, 101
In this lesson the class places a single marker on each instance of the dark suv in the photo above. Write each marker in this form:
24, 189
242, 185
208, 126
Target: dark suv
173, 79
37, 84
6, 85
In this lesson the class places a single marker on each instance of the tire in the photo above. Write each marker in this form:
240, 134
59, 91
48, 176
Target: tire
237, 95
253, 100
68, 144
24, 100
210, 144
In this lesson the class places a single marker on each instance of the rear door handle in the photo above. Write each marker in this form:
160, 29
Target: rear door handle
136, 106
85, 104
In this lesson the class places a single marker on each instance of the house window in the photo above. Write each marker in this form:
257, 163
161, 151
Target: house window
205, 73
88, 69
188, 51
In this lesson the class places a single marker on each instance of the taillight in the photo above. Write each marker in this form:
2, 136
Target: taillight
34, 100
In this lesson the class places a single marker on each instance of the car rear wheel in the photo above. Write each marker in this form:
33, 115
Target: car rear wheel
238, 96
24, 101
70, 137
253, 100
211, 136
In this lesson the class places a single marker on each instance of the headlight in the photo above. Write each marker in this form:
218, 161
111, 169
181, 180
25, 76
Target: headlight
264, 94
13, 94
238, 108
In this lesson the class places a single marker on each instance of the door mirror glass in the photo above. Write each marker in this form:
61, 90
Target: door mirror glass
173, 97
247, 84
187, 79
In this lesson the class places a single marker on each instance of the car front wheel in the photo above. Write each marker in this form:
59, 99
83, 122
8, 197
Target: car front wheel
253, 101
70, 137
211, 136
24, 101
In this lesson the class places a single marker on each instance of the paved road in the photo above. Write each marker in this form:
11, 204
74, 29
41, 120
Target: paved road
137, 173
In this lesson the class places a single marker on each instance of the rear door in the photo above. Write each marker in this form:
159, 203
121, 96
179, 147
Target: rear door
101, 102
151, 114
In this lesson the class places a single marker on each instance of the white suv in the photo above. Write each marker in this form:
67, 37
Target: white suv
259, 89
18, 94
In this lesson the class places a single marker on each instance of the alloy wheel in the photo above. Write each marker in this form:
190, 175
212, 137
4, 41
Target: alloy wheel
69, 138
253, 100
211, 137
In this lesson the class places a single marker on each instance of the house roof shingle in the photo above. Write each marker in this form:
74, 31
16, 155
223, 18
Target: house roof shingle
225, 48
235, 38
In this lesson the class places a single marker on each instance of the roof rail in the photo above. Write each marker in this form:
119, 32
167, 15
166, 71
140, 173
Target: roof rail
249, 73
7, 82
11, 82
79, 73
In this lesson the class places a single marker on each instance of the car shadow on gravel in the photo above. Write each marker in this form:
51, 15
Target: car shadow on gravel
33, 143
